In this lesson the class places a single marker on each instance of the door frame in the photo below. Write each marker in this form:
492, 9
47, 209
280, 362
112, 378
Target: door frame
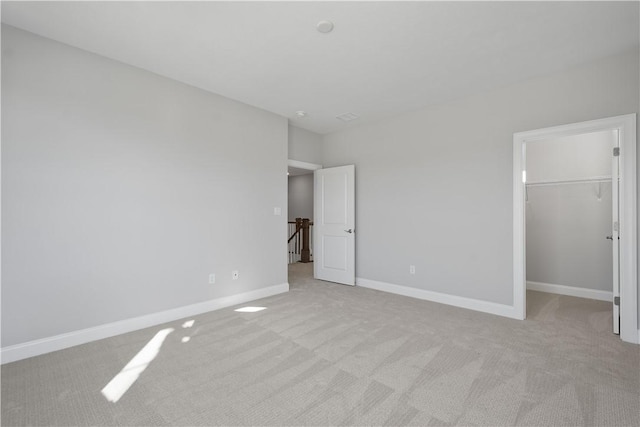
303, 165
626, 126
307, 166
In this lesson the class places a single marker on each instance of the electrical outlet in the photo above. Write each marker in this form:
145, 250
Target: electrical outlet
412, 269
212, 278
235, 274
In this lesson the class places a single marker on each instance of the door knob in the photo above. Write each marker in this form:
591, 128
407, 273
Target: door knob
349, 231
610, 237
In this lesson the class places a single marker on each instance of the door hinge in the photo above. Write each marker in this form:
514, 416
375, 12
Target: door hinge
616, 151
616, 301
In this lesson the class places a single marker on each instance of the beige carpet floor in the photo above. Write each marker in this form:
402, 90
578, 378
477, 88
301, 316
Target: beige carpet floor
326, 354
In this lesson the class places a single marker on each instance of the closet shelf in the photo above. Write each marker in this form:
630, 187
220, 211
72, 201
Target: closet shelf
595, 179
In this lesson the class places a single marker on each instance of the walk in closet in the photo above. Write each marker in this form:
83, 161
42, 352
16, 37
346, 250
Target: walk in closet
569, 208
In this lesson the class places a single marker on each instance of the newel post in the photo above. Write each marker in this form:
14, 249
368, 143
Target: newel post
305, 253
298, 228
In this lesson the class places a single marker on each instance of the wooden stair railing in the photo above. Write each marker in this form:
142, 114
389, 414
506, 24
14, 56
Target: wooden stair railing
301, 244
297, 230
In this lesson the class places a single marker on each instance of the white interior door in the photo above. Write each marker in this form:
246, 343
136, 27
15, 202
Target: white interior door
615, 234
334, 225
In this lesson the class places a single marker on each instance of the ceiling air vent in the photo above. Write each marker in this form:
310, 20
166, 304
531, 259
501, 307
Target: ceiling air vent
347, 117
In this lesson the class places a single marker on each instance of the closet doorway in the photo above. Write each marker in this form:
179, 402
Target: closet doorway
571, 208
574, 216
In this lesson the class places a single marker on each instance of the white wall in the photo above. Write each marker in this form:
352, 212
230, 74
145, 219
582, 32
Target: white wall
566, 229
304, 145
567, 222
301, 197
434, 187
573, 157
122, 190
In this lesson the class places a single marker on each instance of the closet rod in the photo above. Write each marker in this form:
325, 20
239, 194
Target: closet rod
570, 181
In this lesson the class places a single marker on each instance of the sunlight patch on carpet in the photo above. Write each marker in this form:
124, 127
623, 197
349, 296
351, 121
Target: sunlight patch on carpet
119, 385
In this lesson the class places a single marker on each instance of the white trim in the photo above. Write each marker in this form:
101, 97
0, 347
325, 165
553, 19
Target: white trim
519, 256
70, 339
626, 126
456, 301
571, 291
303, 165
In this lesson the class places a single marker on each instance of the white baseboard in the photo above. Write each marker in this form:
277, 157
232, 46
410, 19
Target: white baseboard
571, 291
456, 301
70, 339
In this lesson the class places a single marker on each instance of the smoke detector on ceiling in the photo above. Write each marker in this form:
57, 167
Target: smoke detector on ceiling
347, 117
325, 26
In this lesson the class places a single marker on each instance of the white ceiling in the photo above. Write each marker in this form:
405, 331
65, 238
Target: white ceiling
382, 59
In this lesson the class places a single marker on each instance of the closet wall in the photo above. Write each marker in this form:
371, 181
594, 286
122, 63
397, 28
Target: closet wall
568, 211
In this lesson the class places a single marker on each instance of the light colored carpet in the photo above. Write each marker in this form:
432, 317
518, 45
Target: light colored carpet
326, 354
